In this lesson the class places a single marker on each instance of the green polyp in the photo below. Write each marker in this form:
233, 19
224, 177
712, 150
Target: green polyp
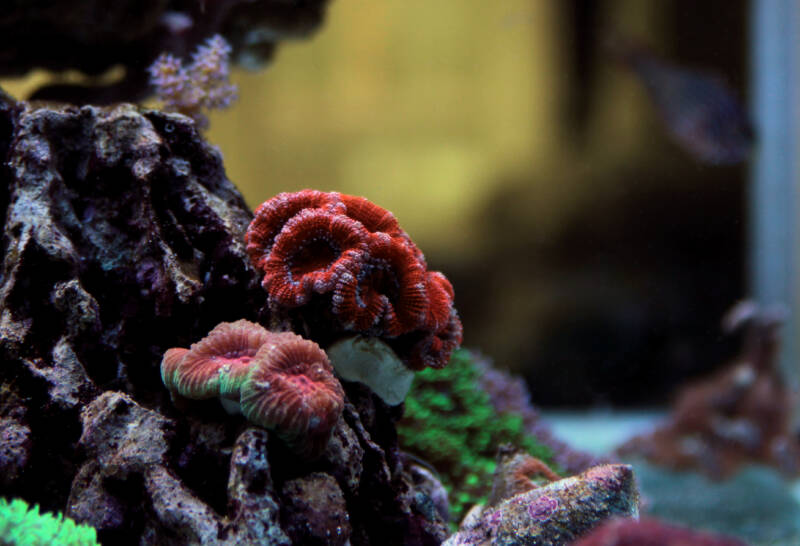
22, 525
450, 422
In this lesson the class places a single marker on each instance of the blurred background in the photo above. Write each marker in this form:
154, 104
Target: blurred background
588, 251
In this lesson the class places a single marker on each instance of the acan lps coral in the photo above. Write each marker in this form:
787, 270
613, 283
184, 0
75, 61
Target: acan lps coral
278, 381
215, 366
351, 256
293, 391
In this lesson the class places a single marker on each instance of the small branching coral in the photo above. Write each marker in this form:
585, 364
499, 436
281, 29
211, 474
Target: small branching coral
278, 381
350, 258
201, 85
21, 525
450, 422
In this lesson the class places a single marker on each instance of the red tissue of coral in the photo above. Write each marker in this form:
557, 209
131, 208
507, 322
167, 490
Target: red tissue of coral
294, 391
354, 253
227, 350
280, 381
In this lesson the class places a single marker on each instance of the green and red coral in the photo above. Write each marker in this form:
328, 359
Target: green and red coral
279, 381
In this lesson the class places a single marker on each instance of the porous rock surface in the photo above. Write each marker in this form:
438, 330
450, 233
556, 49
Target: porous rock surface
14, 449
556, 513
122, 237
314, 511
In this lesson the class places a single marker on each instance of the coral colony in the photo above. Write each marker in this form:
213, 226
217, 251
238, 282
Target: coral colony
201, 85
277, 380
345, 262
374, 281
738, 416
449, 421
371, 278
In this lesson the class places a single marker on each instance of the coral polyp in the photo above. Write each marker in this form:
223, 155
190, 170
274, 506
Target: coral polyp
310, 253
215, 366
199, 86
293, 391
440, 293
351, 258
272, 215
279, 381
387, 292
433, 349
373, 217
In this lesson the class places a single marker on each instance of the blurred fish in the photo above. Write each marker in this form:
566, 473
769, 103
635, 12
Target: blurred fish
698, 108
176, 22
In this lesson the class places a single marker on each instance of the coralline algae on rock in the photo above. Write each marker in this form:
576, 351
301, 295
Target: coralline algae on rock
556, 513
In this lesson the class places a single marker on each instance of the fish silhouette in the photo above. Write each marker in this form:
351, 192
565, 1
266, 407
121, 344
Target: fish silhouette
700, 111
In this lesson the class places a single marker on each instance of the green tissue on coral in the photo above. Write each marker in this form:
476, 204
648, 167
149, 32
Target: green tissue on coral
21, 525
450, 422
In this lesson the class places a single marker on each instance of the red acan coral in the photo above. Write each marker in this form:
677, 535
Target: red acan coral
217, 364
387, 291
354, 252
310, 253
294, 392
431, 349
278, 380
271, 216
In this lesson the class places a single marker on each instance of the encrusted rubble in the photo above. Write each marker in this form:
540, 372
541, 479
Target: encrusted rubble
556, 513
